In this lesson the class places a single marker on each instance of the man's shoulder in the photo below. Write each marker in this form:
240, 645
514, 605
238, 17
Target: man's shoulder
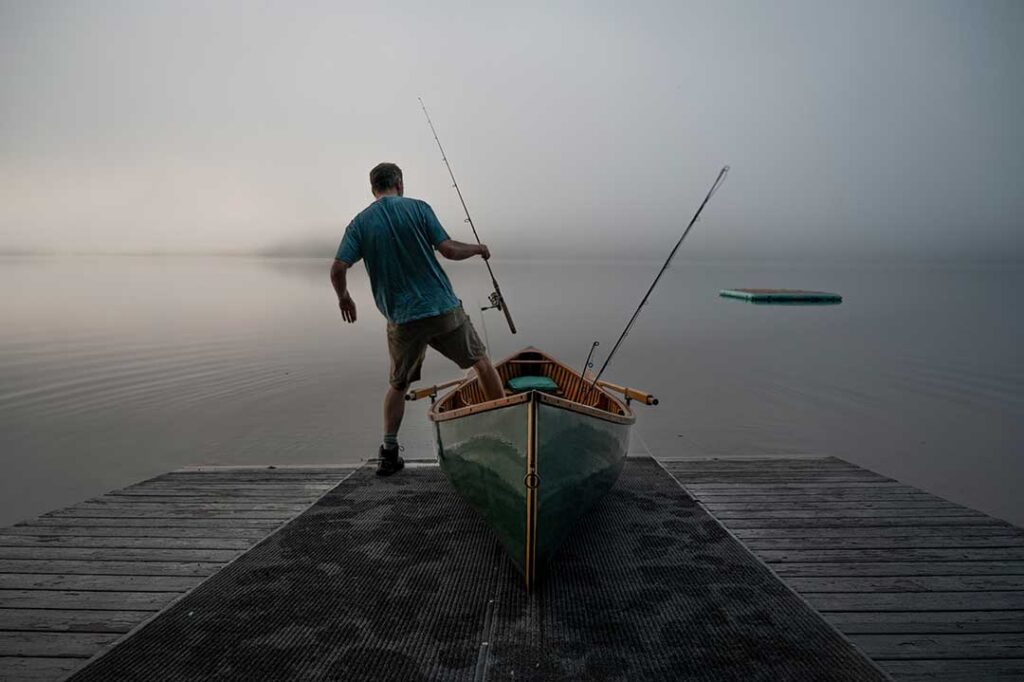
365, 213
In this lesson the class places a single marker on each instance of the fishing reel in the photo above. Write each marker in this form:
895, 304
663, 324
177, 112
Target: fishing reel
496, 302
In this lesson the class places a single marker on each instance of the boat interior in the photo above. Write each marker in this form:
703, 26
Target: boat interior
533, 370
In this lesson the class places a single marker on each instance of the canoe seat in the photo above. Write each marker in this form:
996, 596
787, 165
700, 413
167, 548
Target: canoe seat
532, 383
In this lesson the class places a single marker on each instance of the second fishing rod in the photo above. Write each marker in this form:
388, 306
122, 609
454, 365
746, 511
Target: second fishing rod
496, 298
629, 325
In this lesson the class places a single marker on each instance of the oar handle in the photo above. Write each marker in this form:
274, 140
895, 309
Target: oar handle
630, 393
421, 393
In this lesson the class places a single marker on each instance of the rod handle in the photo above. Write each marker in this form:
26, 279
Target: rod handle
630, 393
428, 391
508, 316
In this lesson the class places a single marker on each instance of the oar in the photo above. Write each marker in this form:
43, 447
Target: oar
429, 391
629, 393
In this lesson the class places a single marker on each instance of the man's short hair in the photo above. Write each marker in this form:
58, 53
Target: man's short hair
385, 176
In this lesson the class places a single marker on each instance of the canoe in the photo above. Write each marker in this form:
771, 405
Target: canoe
534, 462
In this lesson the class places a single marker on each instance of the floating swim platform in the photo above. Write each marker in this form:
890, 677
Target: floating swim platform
781, 295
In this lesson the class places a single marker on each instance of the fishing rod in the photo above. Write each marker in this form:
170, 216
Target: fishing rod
496, 299
714, 188
587, 364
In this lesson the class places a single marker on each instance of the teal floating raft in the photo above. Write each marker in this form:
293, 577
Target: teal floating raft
781, 295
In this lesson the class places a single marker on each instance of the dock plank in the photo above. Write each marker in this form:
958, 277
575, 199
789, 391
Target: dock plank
916, 601
71, 620
932, 541
900, 555
875, 522
902, 584
151, 522
92, 600
956, 670
846, 512
110, 583
118, 554
895, 568
896, 622
39, 667
933, 646
53, 644
226, 542
755, 534
141, 532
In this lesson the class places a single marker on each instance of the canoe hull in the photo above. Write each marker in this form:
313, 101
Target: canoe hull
532, 467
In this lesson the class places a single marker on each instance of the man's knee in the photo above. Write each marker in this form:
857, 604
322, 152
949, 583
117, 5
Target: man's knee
483, 364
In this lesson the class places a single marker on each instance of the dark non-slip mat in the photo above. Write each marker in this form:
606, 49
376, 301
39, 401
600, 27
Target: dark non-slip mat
398, 578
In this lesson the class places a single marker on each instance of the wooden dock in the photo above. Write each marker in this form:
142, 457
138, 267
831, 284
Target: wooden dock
927, 588
74, 581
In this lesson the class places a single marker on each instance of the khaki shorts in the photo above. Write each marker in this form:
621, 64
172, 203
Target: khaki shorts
451, 334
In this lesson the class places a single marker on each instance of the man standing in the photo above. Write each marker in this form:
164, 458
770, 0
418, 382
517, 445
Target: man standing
396, 238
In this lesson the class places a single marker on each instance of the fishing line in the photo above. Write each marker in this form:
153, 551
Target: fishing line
496, 299
714, 188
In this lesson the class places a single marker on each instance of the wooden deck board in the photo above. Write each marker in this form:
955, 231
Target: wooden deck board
40, 667
92, 600
226, 542
112, 583
71, 620
918, 622
53, 644
74, 580
957, 670
930, 589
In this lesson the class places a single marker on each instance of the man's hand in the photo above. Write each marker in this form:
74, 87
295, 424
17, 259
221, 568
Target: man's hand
485, 253
348, 308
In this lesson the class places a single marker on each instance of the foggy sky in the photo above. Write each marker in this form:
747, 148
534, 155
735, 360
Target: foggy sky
890, 128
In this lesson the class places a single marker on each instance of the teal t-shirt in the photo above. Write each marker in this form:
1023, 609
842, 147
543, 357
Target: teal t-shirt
396, 237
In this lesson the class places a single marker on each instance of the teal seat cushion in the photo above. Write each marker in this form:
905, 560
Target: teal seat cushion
522, 384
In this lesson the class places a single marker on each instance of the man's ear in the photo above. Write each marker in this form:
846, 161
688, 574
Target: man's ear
401, 188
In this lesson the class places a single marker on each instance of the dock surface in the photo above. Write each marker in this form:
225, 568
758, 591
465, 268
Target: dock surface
74, 581
758, 569
929, 589
400, 579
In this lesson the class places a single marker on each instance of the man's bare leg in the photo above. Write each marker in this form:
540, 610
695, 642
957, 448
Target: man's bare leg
489, 379
394, 409
389, 460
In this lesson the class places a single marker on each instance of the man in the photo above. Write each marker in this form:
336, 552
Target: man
396, 238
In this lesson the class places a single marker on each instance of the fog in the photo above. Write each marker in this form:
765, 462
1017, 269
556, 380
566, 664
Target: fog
868, 129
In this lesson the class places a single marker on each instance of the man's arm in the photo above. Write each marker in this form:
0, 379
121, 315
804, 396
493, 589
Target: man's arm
345, 302
453, 250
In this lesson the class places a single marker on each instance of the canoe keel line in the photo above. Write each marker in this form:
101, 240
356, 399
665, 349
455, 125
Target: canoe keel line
533, 462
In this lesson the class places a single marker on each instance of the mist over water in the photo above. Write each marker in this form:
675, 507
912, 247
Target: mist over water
113, 369
866, 129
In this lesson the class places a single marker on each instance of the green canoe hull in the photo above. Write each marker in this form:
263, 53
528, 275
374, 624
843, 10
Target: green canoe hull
532, 467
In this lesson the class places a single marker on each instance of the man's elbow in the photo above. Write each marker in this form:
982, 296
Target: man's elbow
445, 248
338, 268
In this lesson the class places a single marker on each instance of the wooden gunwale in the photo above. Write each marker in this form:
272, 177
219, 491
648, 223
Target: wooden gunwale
437, 414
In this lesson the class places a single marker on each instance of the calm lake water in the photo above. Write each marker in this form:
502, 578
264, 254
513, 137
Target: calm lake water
113, 369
